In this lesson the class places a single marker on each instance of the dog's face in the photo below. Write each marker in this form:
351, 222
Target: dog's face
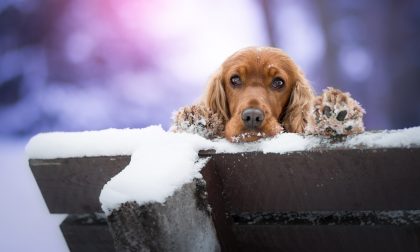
256, 90
258, 84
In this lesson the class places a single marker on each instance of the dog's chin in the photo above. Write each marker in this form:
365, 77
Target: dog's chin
236, 132
247, 136
255, 135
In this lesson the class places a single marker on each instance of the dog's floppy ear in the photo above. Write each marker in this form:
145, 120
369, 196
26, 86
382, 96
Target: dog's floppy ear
299, 107
215, 98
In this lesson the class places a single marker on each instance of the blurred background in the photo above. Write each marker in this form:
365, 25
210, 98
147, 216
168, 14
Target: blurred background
75, 65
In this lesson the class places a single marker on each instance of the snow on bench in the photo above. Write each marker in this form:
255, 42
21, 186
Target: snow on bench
116, 142
165, 171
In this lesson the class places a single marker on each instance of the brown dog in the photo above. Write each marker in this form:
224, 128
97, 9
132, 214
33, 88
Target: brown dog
260, 92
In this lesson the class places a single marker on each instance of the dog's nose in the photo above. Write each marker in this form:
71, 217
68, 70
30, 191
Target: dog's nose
252, 118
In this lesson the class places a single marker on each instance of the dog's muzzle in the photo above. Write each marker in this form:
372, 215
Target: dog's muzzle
252, 118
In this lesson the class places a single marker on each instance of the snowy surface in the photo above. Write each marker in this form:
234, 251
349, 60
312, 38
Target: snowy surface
112, 142
162, 164
388, 138
87, 143
163, 161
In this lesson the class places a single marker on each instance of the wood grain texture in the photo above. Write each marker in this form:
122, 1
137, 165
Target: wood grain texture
221, 219
343, 238
73, 185
87, 233
346, 179
350, 180
258, 185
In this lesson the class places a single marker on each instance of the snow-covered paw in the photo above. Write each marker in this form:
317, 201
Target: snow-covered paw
337, 114
197, 119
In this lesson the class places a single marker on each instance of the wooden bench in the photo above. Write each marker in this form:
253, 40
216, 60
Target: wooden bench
319, 200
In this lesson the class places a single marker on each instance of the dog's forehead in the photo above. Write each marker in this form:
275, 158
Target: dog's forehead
260, 58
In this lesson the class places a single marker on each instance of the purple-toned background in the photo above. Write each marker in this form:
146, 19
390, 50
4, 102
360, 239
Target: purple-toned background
74, 65
81, 65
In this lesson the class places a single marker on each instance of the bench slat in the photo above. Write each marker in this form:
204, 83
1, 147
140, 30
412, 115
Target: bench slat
73, 185
345, 179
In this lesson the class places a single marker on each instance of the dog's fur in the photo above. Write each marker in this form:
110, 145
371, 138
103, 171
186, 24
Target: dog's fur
293, 107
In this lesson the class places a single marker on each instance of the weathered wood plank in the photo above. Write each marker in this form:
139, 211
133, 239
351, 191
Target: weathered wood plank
87, 233
221, 219
256, 184
346, 179
325, 238
349, 179
73, 185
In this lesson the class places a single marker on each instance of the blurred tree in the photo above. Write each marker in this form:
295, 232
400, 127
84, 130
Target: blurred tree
269, 20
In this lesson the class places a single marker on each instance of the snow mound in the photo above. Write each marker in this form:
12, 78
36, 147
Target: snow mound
388, 138
163, 161
115, 142
109, 142
156, 170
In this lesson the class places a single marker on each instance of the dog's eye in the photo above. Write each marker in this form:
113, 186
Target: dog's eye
277, 83
235, 80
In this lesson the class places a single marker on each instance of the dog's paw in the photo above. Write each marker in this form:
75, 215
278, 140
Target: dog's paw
336, 114
197, 119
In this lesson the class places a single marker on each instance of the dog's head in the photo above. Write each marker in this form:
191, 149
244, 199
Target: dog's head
258, 91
